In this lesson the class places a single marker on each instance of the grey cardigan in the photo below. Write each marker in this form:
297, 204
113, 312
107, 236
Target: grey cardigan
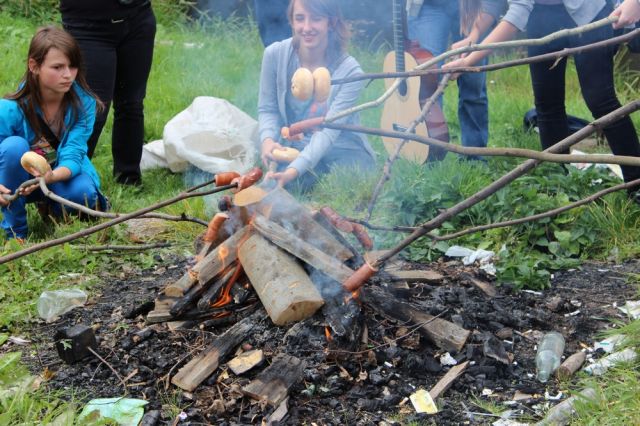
278, 61
582, 11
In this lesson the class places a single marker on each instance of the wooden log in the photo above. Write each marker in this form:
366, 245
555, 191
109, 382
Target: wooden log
284, 288
182, 285
220, 257
487, 288
417, 276
210, 295
444, 334
324, 222
301, 249
447, 380
571, 365
282, 208
272, 385
201, 367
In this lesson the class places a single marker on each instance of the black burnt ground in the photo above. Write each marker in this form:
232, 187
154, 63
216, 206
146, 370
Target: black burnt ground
343, 384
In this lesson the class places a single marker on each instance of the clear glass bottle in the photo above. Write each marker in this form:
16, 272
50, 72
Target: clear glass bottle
549, 354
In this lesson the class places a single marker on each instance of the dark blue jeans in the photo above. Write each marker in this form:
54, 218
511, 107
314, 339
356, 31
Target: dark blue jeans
118, 57
80, 189
595, 74
437, 24
273, 23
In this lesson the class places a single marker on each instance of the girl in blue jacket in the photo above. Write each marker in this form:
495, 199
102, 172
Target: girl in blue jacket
52, 114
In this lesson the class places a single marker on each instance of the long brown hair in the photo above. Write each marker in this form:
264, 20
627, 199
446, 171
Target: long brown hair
29, 95
469, 11
339, 33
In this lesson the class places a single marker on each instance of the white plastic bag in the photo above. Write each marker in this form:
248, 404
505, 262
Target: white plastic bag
213, 135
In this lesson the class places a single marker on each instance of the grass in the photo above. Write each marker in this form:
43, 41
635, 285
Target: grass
222, 59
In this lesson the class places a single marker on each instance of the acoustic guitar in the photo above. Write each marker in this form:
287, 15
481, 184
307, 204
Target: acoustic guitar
405, 104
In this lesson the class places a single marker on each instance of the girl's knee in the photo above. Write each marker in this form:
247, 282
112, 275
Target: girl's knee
13, 147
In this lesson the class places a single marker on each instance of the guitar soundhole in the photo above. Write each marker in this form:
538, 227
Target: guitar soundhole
402, 89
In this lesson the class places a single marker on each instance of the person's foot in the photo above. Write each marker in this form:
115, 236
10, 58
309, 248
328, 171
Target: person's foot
129, 180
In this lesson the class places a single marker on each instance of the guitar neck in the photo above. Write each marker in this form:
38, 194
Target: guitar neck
398, 34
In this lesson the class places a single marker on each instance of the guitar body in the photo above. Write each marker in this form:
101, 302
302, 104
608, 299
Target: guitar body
405, 104
401, 109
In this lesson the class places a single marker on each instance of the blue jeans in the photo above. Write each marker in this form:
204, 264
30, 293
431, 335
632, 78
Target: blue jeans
80, 189
595, 74
437, 24
273, 24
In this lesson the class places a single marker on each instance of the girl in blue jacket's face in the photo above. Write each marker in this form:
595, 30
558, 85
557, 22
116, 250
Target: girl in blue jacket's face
311, 29
55, 75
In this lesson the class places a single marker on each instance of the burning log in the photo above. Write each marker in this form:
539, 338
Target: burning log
282, 208
210, 295
444, 334
201, 367
301, 249
272, 385
285, 289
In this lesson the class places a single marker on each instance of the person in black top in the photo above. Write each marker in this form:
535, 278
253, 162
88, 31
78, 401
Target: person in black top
273, 24
116, 38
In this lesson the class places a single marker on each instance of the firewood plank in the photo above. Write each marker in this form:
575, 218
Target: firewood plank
272, 385
447, 380
282, 208
444, 334
214, 263
301, 249
417, 275
487, 288
203, 365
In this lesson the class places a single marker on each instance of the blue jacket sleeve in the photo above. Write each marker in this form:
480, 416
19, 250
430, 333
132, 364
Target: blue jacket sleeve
73, 147
11, 119
342, 97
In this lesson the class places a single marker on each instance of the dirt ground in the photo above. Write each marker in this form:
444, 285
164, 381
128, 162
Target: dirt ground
368, 385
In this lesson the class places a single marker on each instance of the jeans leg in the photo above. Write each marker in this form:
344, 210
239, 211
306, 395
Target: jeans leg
134, 56
548, 78
431, 28
14, 217
80, 189
473, 109
98, 46
595, 73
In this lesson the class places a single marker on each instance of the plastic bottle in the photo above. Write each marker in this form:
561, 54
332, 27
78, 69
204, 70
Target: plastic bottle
549, 354
52, 304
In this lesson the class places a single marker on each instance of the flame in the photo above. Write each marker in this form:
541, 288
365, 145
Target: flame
223, 253
352, 296
327, 333
225, 295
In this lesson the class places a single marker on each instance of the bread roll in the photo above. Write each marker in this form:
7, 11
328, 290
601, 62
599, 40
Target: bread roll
31, 161
321, 84
285, 155
302, 84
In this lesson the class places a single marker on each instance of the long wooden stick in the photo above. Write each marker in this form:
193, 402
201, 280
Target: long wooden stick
85, 232
474, 47
386, 172
495, 66
623, 160
491, 189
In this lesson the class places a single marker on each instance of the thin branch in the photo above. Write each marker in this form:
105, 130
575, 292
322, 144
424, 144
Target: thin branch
496, 66
386, 173
494, 152
471, 48
115, 247
549, 213
124, 385
503, 181
85, 232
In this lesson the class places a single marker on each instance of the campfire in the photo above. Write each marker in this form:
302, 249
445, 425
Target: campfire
265, 249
